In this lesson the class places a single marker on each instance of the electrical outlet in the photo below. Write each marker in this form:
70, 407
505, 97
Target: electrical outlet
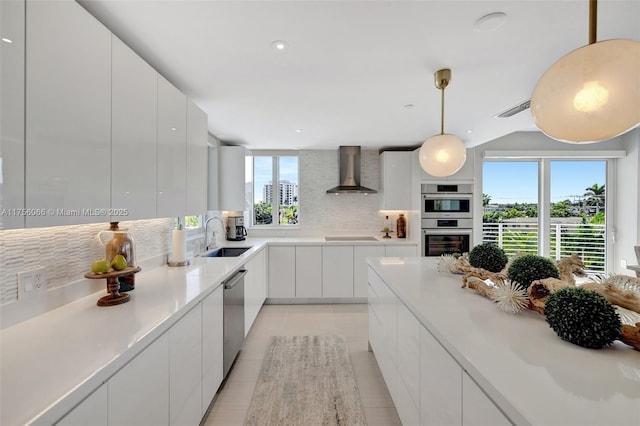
32, 283
623, 263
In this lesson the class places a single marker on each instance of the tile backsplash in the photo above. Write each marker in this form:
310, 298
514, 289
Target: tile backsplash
67, 251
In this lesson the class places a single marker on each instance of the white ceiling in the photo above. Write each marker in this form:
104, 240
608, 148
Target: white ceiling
352, 66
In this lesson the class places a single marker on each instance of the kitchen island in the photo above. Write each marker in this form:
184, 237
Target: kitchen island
449, 356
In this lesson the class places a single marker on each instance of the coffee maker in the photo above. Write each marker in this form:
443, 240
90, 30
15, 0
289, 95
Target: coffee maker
235, 228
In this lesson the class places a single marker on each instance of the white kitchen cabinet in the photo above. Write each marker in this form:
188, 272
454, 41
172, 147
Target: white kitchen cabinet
308, 271
91, 411
68, 114
212, 178
337, 271
396, 180
197, 162
172, 150
212, 340
254, 288
12, 22
139, 392
133, 134
360, 277
440, 384
477, 408
261, 275
185, 369
408, 366
398, 250
282, 271
231, 196
466, 173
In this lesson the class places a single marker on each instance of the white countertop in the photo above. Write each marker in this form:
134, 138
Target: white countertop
322, 241
50, 363
522, 365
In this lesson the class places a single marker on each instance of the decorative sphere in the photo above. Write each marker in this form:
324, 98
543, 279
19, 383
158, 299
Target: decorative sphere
442, 155
582, 317
531, 267
591, 94
488, 256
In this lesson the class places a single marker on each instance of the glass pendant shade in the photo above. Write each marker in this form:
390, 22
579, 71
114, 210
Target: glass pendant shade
591, 94
442, 155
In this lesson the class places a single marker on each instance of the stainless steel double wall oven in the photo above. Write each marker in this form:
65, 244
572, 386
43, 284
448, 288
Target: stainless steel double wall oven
447, 218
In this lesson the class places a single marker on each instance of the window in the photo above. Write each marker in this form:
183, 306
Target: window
549, 207
261, 173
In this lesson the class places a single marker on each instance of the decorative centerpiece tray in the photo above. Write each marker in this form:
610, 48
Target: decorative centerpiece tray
113, 285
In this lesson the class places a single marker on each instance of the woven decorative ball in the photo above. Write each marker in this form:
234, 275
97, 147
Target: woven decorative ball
582, 317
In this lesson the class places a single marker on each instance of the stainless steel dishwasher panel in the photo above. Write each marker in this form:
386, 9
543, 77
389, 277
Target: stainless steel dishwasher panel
233, 323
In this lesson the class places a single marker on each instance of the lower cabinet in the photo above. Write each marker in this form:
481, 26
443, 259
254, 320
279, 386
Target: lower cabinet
308, 271
282, 271
477, 408
255, 288
426, 383
185, 369
212, 339
138, 394
337, 271
397, 250
440, 384
360, 254
91, 411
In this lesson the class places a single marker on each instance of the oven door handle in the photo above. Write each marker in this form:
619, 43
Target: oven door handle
448, 231
447, 196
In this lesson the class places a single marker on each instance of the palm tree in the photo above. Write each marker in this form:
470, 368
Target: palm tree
486, 199
595, 196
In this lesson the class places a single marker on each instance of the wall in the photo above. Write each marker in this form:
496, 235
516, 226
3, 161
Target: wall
326, 214
67, 252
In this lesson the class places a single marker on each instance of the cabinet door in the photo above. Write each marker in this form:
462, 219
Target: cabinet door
395, 180
231, 174
139, 392
360, 254
337, 271
92, 411
477, 408
68, 114
282, 271
440, 384
308, 271
212, 178
134, 134
12, 22
396, 250
185, 369
197, 164
172, 150
261, 276
250, 296
212, 339
408, 365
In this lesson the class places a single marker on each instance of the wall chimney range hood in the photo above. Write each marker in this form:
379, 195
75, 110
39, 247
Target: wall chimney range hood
349, 161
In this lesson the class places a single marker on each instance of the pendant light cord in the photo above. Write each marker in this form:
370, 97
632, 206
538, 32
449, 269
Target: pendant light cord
442, 112
593, 20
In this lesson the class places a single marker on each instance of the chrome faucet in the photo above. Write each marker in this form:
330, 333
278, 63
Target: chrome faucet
207, 243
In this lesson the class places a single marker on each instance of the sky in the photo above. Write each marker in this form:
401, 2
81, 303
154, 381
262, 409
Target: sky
517, 181
263, 173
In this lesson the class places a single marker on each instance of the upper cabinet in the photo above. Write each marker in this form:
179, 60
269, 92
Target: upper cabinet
68, 114
172, 150
133, 134
212, 177
197, 154
12, 20
231, 175
396, 180
465, 174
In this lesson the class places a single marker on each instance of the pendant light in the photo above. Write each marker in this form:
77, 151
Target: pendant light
591, 94
442, 155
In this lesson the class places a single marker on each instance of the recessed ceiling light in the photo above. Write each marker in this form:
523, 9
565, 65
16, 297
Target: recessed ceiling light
490, 22
7, 40
298, 130
469, 131
173, 129
409, 106
279, 45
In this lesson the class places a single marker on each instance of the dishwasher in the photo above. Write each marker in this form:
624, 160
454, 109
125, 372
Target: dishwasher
233, 323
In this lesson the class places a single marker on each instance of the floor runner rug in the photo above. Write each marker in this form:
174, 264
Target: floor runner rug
306, 380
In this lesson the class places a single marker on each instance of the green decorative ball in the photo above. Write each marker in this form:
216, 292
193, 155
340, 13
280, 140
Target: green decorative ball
488, 256
582, 317
528, 268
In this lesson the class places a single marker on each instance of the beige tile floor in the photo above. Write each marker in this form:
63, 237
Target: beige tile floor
351, 321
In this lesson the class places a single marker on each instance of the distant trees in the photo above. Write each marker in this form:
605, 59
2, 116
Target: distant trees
595, 196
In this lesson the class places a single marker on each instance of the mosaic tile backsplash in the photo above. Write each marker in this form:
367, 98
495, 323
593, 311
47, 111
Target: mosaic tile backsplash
67, 251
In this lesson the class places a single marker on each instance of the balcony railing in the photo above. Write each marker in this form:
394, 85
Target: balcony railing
587, 240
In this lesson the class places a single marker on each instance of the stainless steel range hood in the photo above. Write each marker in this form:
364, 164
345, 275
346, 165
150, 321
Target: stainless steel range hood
350, 173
